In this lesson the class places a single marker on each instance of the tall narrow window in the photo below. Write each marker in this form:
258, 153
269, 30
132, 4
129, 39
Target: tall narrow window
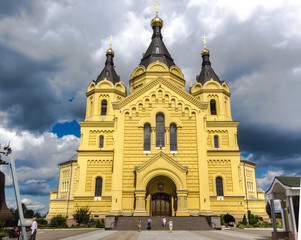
219, 186
173, 137
147, 137
160, 130
98, 187
101, 140
157, 50
213, 107
216, 141
103, 107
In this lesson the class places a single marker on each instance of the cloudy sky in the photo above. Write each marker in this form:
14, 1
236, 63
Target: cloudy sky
51, 49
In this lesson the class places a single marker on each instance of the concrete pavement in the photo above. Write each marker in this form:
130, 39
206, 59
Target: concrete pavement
155, 235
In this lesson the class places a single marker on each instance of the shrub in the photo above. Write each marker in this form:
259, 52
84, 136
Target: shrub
244, 220
42, 221
82, 215
99, 224
58, 221
222, 220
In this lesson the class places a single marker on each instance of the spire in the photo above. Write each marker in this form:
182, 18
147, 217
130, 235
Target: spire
207, 72
108, 71
157, 50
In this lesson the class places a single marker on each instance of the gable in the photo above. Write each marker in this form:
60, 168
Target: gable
161, 88
161, 165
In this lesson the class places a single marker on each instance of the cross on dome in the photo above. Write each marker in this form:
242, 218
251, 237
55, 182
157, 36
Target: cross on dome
111, 40
205, 41
156, 6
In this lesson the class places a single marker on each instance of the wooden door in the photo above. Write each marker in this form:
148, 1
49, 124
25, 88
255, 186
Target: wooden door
161, 205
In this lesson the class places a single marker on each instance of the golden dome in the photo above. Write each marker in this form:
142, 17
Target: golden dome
205, 52
156, 21
110, 51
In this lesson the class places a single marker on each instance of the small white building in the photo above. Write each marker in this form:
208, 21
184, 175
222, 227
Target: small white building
287, 191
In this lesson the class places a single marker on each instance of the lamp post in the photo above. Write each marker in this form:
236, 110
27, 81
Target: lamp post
6, 159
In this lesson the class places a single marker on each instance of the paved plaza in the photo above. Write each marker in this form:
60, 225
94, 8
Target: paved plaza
93, 234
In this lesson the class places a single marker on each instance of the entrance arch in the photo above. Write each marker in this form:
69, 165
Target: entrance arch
161, 197
161, 169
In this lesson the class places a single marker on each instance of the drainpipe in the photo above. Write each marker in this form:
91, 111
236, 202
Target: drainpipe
69, 191
246, 193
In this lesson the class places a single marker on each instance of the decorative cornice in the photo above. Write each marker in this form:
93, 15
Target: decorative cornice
222, 123
223, 152
248, 162
108, 90
212, 91
158, 156
96, 123
95, 153
163, 81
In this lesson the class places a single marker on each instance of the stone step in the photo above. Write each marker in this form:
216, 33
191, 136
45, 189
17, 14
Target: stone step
179, 223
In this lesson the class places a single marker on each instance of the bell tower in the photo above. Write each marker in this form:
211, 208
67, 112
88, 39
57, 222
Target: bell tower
211, 89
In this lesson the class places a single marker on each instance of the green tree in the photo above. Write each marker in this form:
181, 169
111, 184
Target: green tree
222, 220
268, 209
244, 220
28, 213
82, 215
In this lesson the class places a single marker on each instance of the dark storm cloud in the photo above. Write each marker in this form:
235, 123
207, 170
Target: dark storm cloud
35, 189
25, 94
10, 8
271, 146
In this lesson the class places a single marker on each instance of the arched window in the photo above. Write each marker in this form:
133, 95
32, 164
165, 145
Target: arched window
98, 187
173, 137
216, 141
160, 130
213, 107
101, 140
157, 50
103, 108
219, 186
147, 137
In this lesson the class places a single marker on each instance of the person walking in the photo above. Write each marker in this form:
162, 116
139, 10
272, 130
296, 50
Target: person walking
149, 223
164, 222
33, 227
139, 225
170, 223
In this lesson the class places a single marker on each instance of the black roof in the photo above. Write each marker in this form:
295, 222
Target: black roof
108, 71
152, 54
207, 71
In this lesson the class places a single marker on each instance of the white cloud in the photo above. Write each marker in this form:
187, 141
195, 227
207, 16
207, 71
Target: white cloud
268, 178
37, 155
33, 205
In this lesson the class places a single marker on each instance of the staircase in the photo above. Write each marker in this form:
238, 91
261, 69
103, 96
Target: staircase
179, 223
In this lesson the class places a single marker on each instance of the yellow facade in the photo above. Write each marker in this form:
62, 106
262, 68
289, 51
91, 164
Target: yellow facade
136, 180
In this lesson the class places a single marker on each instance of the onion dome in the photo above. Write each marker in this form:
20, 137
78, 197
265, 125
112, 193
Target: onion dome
207, 72
110, 51
157, 50
108, 71
205, 52
156, 21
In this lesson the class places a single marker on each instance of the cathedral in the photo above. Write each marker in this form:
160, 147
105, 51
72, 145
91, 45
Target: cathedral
159, 150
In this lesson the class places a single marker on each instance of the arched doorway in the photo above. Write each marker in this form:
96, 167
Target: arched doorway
161, 197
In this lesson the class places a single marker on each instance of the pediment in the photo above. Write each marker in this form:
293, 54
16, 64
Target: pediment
161, 160
163, 83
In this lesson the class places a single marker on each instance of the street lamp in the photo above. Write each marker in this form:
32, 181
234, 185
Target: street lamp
6, 159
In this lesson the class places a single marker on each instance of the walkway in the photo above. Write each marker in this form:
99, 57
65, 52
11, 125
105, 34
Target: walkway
154, 235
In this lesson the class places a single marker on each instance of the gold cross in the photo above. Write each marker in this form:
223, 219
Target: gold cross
111, 40
156, 6
204, 40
